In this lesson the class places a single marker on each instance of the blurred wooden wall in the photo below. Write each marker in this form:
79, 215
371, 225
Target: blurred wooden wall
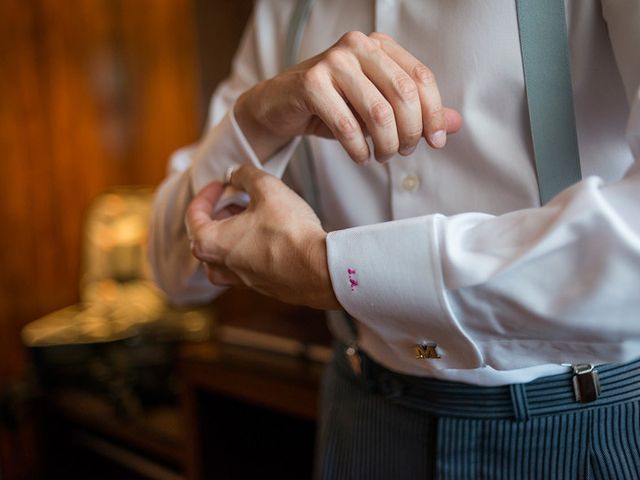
93, 93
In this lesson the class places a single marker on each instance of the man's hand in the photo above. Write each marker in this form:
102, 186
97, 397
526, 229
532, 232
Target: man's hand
276, 246
362, 85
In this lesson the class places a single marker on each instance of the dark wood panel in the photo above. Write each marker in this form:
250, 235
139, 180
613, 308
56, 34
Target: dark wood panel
92, 93
219, 25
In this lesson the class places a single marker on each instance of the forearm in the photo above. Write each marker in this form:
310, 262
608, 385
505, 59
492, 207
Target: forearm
264, 142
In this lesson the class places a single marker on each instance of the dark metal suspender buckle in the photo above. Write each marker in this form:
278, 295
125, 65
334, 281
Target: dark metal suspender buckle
586, 383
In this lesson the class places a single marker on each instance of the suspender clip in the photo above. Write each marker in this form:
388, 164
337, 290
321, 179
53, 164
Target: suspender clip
586, 383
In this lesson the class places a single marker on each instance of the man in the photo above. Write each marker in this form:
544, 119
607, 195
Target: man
475, 309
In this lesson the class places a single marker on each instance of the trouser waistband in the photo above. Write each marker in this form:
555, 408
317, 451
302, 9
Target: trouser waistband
552, 395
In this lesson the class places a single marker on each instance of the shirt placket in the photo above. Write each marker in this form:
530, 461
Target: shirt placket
404, 176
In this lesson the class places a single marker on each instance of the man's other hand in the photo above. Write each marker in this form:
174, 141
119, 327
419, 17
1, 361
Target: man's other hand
362, 85
275, 246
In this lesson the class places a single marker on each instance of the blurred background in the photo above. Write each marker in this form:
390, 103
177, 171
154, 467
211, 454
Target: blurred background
99, 377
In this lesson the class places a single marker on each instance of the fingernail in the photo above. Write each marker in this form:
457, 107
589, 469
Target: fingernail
407, 150
438, 139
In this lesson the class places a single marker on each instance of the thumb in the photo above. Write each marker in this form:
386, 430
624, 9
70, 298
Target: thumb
201, 208
247, 177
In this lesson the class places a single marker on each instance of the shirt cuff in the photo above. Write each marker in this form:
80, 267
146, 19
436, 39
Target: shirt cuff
388, 276
224, 146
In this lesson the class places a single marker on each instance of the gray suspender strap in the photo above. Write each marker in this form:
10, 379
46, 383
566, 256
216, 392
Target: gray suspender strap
547, 75
302, 162
299, 18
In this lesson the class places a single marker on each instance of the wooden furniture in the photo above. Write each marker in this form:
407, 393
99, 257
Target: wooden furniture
243, 412
251, 412
268, 389
84, 438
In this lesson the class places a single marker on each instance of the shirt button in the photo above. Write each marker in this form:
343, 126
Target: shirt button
410, 183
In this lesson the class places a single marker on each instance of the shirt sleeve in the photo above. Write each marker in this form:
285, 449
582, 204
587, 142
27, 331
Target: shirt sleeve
556, 284
223, 145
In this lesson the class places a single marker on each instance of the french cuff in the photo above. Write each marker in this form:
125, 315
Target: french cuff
388, 277
224, 146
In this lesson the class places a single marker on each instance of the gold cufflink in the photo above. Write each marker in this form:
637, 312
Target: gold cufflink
427, 350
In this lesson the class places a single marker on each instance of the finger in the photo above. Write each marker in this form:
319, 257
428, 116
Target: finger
433, 114
397, 87
201, 208
368, 102
324, 101
318, 128
401, 91
454, 120
252, 180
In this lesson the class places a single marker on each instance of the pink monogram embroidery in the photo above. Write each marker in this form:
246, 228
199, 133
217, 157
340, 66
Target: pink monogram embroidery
352, 280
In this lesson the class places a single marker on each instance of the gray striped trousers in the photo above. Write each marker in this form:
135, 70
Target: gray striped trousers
366, 434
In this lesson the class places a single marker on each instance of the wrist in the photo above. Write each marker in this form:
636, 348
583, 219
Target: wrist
322, 296
264, 141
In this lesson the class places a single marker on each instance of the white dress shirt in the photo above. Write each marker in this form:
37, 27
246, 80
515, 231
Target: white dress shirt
451, 246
